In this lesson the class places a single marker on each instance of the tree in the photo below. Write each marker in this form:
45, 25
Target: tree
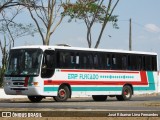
9, 3
4, 59
91, 12
10, 30
46, 14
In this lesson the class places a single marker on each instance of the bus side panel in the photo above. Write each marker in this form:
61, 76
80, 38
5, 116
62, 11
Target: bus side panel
151, 85
101, 82
78, 91
158, 84
84, 83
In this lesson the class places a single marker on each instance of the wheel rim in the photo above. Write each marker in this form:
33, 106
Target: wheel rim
127, 93
62, 93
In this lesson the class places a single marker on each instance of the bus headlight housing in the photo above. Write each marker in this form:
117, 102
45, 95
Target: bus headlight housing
35, 83
7, 83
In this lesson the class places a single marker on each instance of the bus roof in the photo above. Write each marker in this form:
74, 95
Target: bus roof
45, 47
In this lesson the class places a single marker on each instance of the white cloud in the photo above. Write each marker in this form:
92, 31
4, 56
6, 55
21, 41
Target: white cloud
152, 28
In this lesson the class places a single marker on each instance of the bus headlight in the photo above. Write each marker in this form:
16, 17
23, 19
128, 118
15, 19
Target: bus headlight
7, 83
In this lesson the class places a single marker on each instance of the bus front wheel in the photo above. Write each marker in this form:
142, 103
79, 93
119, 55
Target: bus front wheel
126, 93
99, 97
63, 94
35, 98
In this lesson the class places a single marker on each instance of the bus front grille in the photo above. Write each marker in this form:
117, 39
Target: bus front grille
18, 83
19, 89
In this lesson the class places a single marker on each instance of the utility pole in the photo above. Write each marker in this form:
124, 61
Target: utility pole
130, 34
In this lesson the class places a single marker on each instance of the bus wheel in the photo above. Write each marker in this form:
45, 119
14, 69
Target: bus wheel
35, 98
99, 97
126, 93
63, 94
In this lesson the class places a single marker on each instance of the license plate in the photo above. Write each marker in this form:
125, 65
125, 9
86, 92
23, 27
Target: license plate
18, 92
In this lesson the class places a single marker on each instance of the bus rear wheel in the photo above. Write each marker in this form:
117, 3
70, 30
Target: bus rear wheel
35, 98
99, 97
63, 94
126, 94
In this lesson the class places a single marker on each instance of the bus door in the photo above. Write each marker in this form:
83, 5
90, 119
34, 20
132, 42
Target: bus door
48, 64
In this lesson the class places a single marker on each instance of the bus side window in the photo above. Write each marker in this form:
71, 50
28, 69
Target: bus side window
129, 62
148, 63
96, 61
143, 63
58, 60
132, 62
83, 60
62, 60
48, 64
124, 62
154, 63
77, 60
90, 62
73, 60
65, 59
101, 61
108, 61
139, 62
119, 62
114, 62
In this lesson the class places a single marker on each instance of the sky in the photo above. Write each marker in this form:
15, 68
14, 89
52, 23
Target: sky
145, 29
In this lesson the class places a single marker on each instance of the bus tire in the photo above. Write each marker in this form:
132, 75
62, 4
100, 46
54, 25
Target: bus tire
63, 94
126, 94
35, 98
99, 97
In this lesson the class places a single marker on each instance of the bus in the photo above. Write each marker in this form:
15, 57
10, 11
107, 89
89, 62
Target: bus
63, 72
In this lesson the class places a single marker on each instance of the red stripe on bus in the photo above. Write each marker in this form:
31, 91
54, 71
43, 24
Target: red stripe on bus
92, 83
26, 81
144, 77
101, 71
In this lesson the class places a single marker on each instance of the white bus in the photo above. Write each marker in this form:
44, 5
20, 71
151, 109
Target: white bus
62, 72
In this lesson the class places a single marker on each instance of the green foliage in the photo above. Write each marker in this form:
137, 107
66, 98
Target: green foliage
82, 10
92, 11
89, 10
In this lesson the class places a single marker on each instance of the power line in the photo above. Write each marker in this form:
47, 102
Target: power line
133, 22
140, 25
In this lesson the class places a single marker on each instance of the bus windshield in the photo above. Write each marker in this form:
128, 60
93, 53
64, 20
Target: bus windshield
24, 62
